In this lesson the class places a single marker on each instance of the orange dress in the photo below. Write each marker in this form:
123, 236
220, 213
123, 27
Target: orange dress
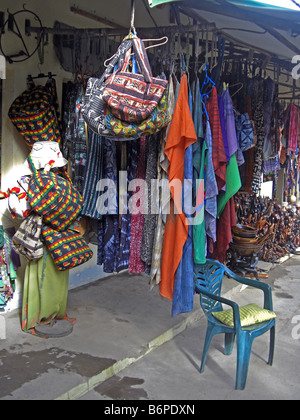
181, 135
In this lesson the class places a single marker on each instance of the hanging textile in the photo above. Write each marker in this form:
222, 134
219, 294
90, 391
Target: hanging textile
181, 135
136, 265
229, 123
225, 223
233, 184
293, 129
219, 155
199, 234
92, 174
183, 293
108, 226
149, 218
131, 163
258, 117
211, 190
162, 176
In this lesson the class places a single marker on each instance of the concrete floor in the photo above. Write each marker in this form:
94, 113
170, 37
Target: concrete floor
126, 346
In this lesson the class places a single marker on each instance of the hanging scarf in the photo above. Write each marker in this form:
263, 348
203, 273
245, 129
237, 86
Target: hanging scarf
181, 135
219, 155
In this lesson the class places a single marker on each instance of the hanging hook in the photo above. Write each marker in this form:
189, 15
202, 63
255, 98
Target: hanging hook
132, 28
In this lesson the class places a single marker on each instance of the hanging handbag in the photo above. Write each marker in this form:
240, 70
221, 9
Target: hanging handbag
34, 116
27, 239
159, 118
132, 97
53, 197
93, 109
68, 249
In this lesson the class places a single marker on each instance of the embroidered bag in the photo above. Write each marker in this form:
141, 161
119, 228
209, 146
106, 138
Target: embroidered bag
27, 239
93, 109
132, 97
68, 249
159, 118
53, 197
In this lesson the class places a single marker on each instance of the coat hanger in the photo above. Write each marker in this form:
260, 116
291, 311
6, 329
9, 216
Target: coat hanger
164, 40
240, 84
133, 33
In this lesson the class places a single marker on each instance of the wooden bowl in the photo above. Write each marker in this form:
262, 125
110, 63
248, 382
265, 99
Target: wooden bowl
244, 231
245, 250
243, 241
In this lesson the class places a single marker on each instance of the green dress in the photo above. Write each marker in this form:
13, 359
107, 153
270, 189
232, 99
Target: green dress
45, 293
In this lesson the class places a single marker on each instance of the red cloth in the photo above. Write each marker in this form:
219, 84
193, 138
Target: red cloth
218, 149
181, 135
136, 265
293, 129
226, 221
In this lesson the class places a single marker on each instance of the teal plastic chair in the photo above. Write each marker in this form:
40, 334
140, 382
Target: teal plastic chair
208, 283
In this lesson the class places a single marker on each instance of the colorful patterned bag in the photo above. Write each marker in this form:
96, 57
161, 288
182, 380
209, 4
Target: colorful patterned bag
93, 109
68, 249
159, 118
132, 97
27, 239
53, 197
34, 115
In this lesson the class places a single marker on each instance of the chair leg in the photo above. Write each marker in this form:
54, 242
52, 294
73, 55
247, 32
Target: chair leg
229, 340
272, 345
209, 335
244, 344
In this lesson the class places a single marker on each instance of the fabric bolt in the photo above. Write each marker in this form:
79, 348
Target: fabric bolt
219, 155
45, 293
181, 135
136, 265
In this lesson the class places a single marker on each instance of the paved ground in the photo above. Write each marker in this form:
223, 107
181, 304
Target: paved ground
126, 346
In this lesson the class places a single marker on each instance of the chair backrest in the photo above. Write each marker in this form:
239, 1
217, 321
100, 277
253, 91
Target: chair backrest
209, 276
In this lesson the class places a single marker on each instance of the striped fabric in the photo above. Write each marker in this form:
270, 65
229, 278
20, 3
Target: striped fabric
93, 173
